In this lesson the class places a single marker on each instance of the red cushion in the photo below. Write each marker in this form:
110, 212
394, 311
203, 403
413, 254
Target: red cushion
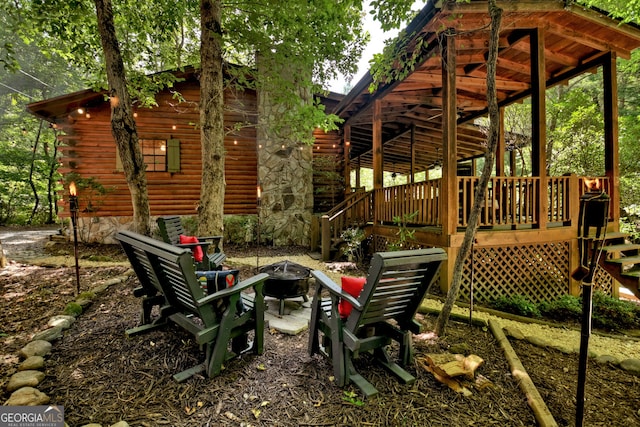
197, 250
353, 286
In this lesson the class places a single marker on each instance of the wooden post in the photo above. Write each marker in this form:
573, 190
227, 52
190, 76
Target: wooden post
538, 123
378, 161
501, 146
346, 145
326, 238
611, 147
449, 205
358, 185
449, 196
413, 154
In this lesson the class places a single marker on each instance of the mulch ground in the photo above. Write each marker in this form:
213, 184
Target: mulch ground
101, 376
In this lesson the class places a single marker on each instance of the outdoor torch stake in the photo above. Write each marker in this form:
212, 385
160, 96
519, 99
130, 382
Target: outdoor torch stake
594, 212
259, 203
73, 208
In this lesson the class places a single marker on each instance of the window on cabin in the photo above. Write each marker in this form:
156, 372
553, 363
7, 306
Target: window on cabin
154, 152
159, 155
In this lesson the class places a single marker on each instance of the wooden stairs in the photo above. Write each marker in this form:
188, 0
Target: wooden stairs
622, 261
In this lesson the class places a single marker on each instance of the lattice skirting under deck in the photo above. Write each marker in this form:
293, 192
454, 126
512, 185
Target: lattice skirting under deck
538, 271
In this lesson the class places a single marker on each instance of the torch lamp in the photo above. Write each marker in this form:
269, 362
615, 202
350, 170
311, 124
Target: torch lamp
259, 203
73, 209
594, 213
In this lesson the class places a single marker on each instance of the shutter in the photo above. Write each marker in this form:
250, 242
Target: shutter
119, 167
173, 155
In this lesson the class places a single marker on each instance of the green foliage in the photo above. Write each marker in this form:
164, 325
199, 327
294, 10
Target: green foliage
352, 243
73, 309
90, 190
567, 307
516, 304
240, 229
405, 234
352, 398
614, 314
608, 313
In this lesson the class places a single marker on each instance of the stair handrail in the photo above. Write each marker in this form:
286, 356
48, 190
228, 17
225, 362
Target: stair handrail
347, 201
333, 223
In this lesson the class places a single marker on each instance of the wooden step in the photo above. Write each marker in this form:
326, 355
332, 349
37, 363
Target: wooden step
621, 248
613, 235
625, 260
633, 273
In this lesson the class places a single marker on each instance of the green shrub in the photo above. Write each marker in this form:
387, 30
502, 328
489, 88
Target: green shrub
567, 307
516, 304
614, 314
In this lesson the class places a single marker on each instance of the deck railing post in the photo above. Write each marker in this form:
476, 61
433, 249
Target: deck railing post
326, 237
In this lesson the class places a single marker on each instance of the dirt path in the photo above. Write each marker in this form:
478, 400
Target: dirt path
25, 243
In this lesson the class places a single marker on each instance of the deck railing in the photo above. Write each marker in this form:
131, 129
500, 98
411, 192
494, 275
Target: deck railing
418, 201
355, 211
509, 202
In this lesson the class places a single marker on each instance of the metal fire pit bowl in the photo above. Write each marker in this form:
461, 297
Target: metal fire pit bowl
286, 280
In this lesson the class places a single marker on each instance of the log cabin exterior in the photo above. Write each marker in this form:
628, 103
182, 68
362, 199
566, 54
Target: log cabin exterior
527, 238
170, 141
527, 241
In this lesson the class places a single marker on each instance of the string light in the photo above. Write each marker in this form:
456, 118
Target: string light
235, 142
135, 115
87, 115
174, 127
80, 111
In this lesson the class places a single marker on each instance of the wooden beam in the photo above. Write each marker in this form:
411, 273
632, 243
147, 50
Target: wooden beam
346, 144
538, 122
378, 161
449, 207
501, 146
413, 154
611, 147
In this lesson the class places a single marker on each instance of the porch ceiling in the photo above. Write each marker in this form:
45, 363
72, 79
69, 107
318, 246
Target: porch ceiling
574, 38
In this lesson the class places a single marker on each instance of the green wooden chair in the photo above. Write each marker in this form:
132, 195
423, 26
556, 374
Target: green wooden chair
217, 321
384, 311
170, 228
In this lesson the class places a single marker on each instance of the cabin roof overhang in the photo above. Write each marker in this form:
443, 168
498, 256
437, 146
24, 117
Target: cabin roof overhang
61, 108
576, 40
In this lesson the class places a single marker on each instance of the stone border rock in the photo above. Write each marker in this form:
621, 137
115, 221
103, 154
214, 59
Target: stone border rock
23, 384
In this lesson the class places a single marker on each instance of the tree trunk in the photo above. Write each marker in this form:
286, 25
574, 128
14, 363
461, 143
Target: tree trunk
123, 127
36, 199
490, 157
3, 258
211, 207
53, 166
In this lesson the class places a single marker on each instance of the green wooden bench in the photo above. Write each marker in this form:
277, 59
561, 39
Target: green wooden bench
170, 228
217, 321
384, 311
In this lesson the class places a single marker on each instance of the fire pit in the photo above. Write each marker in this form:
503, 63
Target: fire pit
286, 280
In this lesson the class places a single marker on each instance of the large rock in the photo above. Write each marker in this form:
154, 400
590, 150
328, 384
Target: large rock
27, 396
32, 363
61, 320
24, 379
35, 348
50, 334
631, 365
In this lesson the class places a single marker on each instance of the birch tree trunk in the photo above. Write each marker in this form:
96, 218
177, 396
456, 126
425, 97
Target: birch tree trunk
123, 127
490, 157
211, 207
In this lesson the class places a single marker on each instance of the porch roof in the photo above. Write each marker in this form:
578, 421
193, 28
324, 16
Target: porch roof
575, 37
